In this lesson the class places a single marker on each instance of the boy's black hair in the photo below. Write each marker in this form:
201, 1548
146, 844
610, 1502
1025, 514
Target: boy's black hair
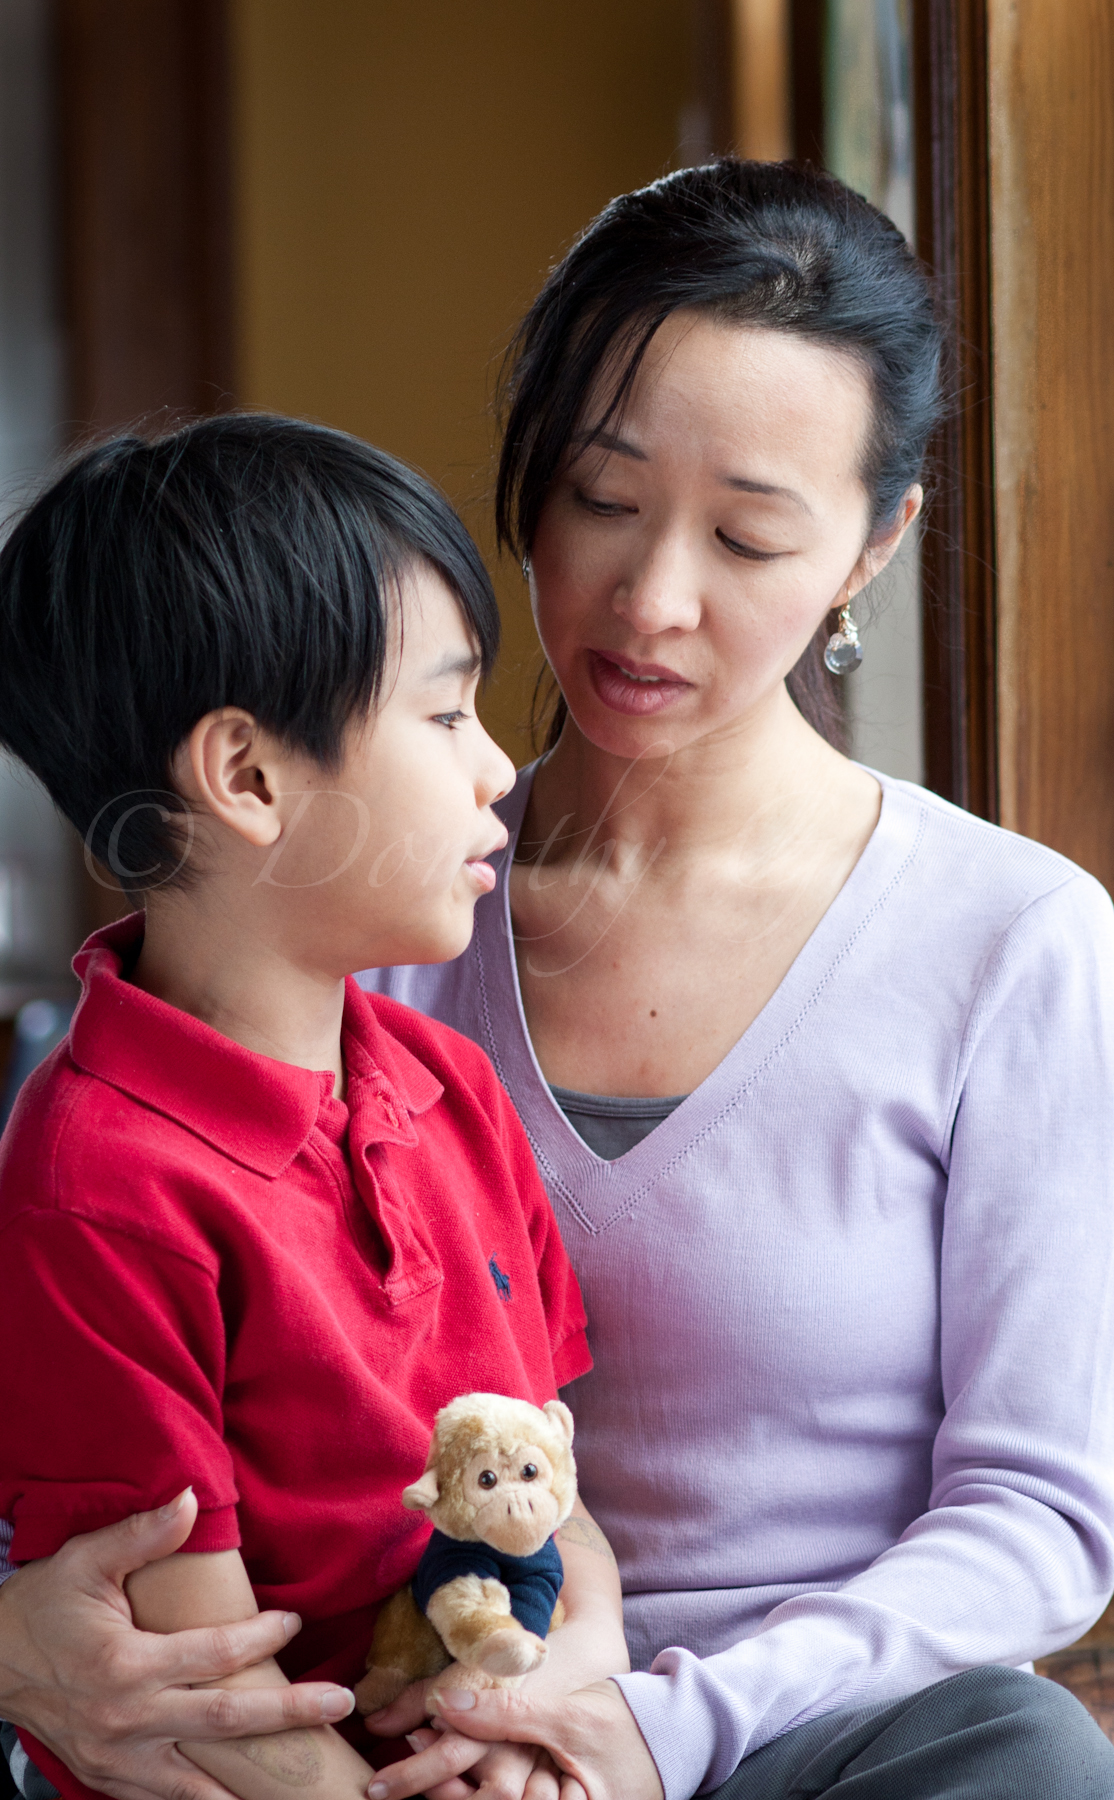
239, 561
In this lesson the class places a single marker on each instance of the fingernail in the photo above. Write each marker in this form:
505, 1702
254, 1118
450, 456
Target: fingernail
175, 1506
457, 1700
378, 1791
412, 1740
291, 1624
338, 1704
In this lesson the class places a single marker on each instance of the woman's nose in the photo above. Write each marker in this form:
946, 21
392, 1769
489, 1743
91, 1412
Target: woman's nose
661, 592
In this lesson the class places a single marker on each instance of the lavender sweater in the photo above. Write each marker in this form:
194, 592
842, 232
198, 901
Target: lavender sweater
851, 1424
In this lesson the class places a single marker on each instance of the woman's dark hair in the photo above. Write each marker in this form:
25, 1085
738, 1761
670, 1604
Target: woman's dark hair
770, 244
239, 561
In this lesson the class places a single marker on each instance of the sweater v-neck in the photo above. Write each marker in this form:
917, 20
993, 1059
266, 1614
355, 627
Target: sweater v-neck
600, 1192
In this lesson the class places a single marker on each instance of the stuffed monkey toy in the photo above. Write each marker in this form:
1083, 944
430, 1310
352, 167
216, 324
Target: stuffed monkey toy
499, 1481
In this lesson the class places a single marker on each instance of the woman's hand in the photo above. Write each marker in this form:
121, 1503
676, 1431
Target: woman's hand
588, 1646
578, 1654
494, 1771
112, 1701
590, 1735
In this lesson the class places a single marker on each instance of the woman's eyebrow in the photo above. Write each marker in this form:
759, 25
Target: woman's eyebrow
607, 440
742, 484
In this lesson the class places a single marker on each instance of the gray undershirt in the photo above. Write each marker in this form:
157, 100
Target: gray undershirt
613, 1124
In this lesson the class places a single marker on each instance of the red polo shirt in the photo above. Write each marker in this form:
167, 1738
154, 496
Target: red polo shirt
215, 1273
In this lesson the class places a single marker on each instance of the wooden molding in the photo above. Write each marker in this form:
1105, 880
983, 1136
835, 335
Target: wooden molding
1051, 75
806, 79
951, 123
146, 227
146, 207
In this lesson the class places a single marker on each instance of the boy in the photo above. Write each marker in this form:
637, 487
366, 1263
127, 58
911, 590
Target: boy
257, 1227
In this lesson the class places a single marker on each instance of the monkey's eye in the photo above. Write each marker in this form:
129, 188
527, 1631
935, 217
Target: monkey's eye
488, 1478
529, 1471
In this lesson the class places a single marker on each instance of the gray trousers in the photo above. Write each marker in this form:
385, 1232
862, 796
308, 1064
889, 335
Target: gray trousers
989, 1734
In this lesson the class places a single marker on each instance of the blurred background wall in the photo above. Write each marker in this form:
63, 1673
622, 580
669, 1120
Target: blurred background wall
339, 208
40, 903
404, 176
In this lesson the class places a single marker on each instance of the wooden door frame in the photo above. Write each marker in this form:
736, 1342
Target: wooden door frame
146, 204
951, 130
145, 192
959, 580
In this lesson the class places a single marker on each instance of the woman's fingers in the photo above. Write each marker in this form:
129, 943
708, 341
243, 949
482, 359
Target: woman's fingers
514, 1772
111, 1701
453, 1789
504, 1772
450, 1755
590, 1734
181, 1715
544, 1782
165, 1773
403, 1714
108, 1555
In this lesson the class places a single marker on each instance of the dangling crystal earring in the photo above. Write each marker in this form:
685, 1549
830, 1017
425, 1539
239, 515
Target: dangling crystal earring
844, 651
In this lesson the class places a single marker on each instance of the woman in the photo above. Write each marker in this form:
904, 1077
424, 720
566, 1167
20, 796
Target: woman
818, 1070
847, 1297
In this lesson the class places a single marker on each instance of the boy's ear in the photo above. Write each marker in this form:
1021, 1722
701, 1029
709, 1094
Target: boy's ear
421, 1495
219, 765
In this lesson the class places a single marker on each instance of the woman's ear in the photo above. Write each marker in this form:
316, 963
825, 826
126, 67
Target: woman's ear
881, 550
227, 766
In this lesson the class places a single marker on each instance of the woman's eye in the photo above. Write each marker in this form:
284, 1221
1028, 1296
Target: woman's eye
602, 509
489, 1479
529, 1471
747, 550
450, 718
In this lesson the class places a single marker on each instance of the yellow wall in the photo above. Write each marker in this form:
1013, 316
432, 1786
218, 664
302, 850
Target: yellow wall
407, 170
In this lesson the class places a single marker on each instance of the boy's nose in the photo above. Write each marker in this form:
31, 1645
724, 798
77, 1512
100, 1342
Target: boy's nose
497, 773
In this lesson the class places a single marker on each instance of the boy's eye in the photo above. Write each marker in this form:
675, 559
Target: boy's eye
489, 1479
529, 1471
747, 550
450, 718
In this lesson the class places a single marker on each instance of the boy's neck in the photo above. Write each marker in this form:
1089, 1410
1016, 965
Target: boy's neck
197, 957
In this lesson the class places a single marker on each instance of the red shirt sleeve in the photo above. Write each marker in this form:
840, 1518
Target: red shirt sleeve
113, 1353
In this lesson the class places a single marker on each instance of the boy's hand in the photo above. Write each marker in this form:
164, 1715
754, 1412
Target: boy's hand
112, 1701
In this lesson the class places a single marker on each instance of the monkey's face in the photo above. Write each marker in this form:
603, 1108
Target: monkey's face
500, 1472
511, 1494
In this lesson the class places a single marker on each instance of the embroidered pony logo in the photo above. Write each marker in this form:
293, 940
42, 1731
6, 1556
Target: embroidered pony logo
502, 1282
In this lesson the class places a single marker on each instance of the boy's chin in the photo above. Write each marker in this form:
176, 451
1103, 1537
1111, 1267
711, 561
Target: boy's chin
441, 942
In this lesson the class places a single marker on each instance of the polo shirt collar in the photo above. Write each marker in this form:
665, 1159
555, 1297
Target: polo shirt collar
253, 1108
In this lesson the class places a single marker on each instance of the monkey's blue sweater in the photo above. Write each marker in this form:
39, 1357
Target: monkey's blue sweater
533, 1582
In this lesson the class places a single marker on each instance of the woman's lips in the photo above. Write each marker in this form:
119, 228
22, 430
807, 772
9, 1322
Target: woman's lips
634, 688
